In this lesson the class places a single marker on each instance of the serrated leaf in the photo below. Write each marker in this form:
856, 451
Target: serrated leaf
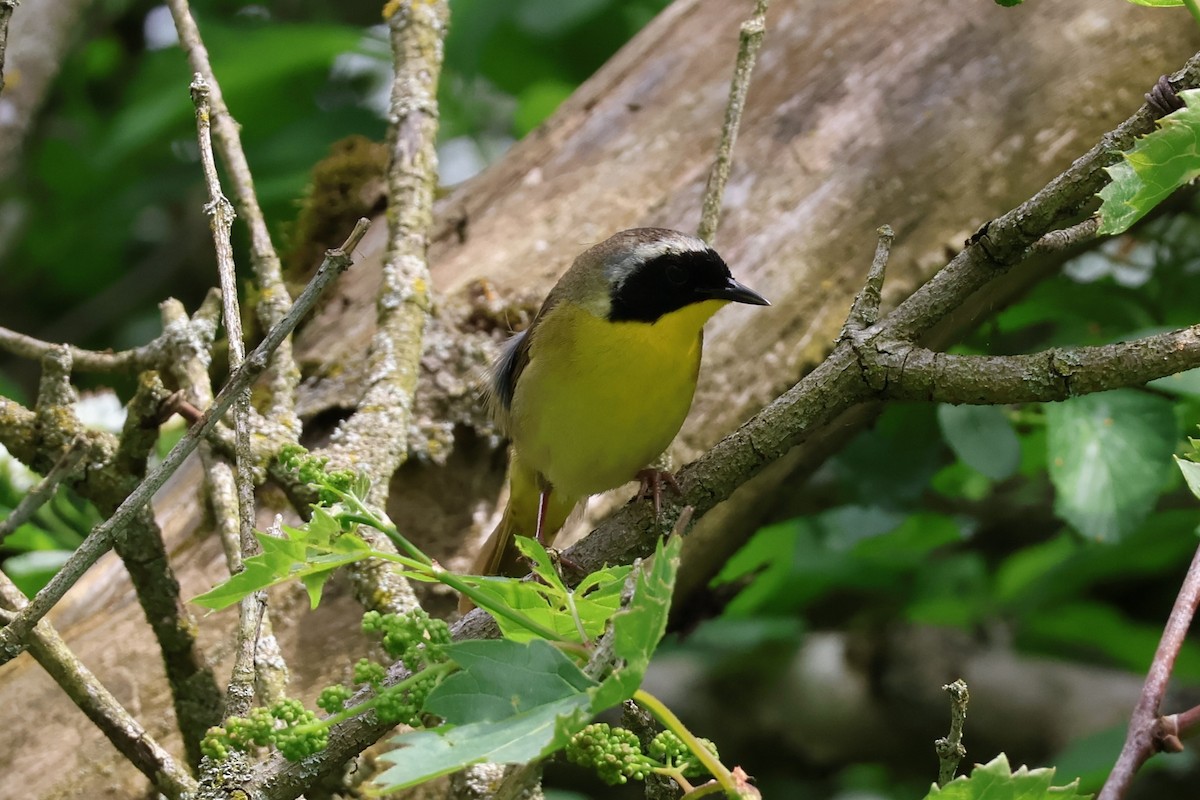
638, 628
982, 438
996, 781
287, 558
1159, 163
1191, 474
500, 679
1108, 455
540, 562
424, 755
596, 599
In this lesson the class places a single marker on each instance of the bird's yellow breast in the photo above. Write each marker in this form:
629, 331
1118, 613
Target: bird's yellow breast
599, 400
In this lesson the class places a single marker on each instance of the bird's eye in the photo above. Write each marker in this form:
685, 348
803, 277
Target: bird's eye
676, 274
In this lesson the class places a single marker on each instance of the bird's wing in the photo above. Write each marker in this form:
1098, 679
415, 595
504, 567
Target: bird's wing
513, 357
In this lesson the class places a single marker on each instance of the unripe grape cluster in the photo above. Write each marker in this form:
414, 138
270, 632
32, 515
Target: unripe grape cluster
616, 754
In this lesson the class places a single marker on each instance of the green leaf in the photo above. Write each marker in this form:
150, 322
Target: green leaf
982, 437
1107, 455
304, 554
424, 755
996, 781
1191, 474
500, 679
1157, 3
596, 598
638, 628
1159, 163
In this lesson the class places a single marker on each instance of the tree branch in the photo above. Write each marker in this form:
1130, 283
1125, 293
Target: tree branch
6, 9
750, 41
95, 701
1146, 734
274, 300
374, 440
98, 542
838, 383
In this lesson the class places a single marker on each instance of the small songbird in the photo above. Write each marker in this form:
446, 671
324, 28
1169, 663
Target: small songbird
601, 381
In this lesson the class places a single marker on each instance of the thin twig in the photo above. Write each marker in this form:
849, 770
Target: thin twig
240, 695
750, 40
865, 310
6, 9
94, 700
100, 539
1144, 737
273, 302
44, 490
950, 750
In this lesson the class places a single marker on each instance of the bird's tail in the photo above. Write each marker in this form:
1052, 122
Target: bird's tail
499, 555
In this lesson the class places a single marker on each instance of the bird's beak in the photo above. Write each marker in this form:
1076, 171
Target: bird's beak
738, 293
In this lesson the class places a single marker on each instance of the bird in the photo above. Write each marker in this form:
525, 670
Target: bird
596, 388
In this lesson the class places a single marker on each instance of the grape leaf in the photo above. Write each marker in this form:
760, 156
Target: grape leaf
501, 679
424, 755
638, 628
996, 781
309, 553
1159, 163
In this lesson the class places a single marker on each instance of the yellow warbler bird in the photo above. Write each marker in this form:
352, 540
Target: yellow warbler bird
601, 381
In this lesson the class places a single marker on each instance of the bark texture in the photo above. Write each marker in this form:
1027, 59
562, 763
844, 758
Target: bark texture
931, 116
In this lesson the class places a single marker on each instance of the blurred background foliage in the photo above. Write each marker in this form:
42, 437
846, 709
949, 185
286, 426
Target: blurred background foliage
1064, 525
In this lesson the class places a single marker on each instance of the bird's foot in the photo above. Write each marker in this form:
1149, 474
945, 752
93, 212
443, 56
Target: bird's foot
652, 481
1162, 98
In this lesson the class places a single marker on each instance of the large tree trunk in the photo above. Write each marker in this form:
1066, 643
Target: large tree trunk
931, 116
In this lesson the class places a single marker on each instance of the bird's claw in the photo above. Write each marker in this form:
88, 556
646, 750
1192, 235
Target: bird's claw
652, 481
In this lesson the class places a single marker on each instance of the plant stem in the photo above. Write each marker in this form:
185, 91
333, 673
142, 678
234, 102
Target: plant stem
1194, 9
667, 717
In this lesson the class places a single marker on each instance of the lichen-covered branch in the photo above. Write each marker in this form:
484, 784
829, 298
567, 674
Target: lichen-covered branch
98, 542
99, 705
374, 440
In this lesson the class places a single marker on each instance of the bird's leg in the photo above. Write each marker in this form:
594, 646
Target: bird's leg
652, 480
543, 509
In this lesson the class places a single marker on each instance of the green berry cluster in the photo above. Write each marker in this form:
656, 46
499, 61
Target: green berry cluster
415, 638
396, 704
331, 484
670, 751
287, 724
616, 754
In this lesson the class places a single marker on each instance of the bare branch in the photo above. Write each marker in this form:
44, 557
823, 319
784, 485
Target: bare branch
284, 376
865, 311
750, 40
100, 539
94, 700
220, 213
900, 371
950, 749
1145, 735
